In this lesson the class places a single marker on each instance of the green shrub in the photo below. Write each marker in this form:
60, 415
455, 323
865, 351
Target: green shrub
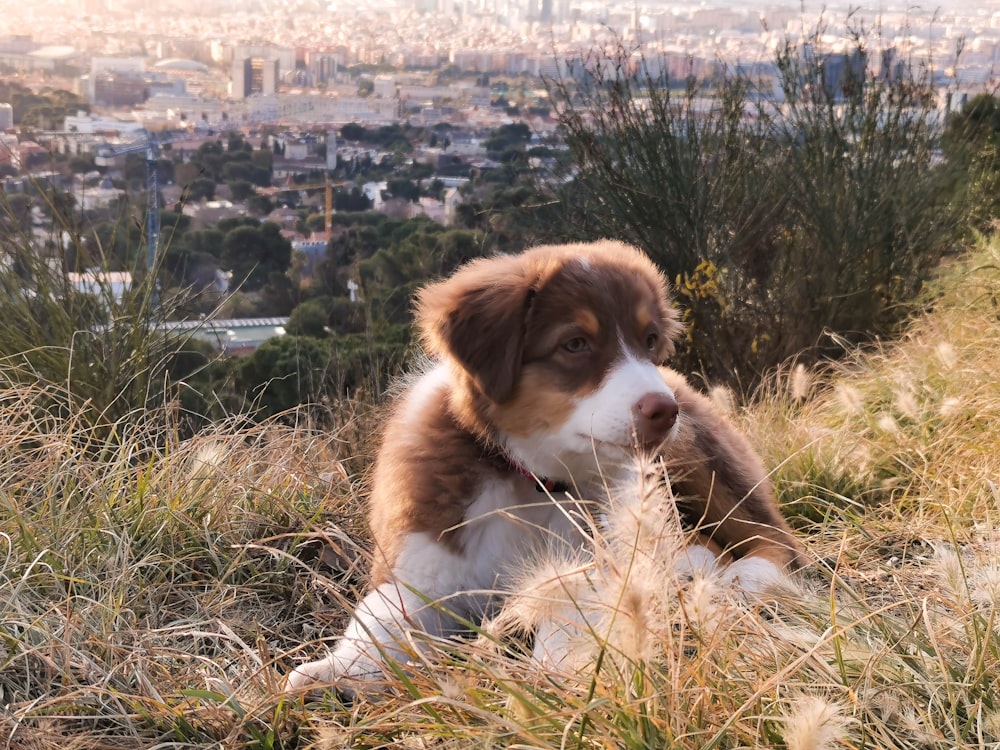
286, 371
972, 139
311, 318
291, 371
783, 216
98, 349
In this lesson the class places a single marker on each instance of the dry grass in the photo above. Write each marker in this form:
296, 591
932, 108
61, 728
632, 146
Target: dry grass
130, 578
152, 592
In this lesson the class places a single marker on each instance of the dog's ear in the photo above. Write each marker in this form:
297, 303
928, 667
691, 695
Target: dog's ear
672, 326
478, 317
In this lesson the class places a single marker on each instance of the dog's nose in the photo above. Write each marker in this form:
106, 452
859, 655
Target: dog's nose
654, 414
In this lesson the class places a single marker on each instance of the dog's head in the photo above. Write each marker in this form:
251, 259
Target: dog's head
560, 344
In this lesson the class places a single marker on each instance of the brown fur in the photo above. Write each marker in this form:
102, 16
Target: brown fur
490, 320
497, 322
722, 483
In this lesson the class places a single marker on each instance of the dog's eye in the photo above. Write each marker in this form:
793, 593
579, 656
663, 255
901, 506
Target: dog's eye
652, 342
576, 345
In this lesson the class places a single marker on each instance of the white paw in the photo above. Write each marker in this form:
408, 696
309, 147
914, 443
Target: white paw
306, 676
753, 575
696, 561
349, 669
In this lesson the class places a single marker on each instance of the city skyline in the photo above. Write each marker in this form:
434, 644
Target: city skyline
306, 61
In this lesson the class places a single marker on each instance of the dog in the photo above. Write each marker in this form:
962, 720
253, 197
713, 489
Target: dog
546, 373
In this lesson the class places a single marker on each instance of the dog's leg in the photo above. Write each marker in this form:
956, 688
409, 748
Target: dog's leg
726, 490
423, 599
377, 632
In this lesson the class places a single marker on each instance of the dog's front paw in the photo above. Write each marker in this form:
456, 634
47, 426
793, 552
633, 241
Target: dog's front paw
754, 576
349, 670
696, 561
313, 675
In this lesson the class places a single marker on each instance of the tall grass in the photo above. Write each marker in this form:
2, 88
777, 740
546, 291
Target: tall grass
139, 591
152, 597
94, 347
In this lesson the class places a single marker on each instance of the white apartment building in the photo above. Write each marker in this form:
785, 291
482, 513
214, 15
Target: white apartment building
313, 108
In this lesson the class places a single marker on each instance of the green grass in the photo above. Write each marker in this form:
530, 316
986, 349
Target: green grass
153, 589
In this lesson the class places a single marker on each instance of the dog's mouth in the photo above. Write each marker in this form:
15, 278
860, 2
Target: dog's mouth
632, 446
629, 447
600, 442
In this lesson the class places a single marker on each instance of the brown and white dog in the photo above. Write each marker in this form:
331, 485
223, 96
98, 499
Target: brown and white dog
546, 371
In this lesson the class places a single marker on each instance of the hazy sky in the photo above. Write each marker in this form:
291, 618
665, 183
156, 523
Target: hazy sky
46, 18
201, 6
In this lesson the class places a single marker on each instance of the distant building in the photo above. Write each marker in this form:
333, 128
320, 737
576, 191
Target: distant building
134, 65
255, 75
297, 149
323, 68
258, 68
85, 123
384, 86
116, 81
102, 284
179, 109
331, 150
6, 116
101, 195
239, 336
373, 192
112, 89
242, 76
311, 108
8, 151
21, 53
270, 75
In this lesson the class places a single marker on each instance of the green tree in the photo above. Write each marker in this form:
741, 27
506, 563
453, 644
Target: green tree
209, 159
15, 216
245, 170
286, 371
82, 163
352, 131
235, 143
259, 205
135, 168
351, 200
311, 318
206, 241
279, 296
116, 245
203, 188
506, 138
253, 253
264, 159
241, 189
400, 187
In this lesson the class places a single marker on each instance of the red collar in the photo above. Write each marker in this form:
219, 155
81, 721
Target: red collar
542, 484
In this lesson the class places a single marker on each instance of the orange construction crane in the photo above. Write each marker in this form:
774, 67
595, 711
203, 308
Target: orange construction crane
326, 185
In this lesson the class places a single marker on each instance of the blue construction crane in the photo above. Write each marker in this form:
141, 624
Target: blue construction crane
150, 145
